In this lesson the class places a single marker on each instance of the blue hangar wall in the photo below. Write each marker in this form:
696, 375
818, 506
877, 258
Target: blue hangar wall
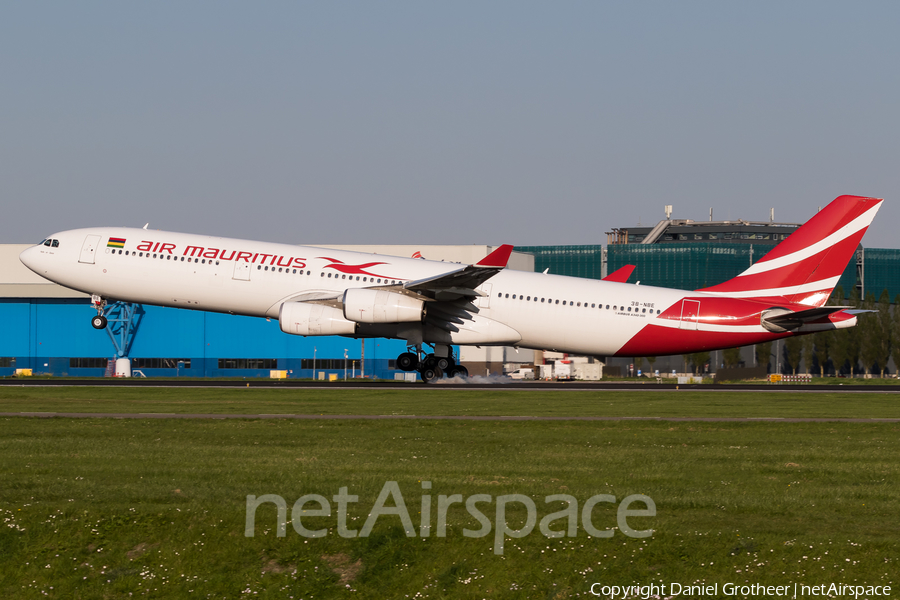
54, 336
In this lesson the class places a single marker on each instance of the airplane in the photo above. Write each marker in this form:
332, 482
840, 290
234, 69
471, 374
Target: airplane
318, 292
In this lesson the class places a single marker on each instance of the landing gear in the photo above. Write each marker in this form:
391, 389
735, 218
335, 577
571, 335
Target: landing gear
431, 367
407, 361
99, 303
431, 374
458, 371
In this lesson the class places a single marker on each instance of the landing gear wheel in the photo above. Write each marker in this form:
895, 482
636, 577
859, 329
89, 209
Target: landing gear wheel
407, 361
458, 371
98, 322
430, 361
431, 374
444, 363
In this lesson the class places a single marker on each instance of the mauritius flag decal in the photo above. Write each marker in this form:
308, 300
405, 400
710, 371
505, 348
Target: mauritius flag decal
116, 243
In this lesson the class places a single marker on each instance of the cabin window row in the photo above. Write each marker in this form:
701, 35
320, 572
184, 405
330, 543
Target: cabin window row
162, 256
364, 279
574, 303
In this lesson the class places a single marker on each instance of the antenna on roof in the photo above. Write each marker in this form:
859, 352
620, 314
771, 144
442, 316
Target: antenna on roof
710, 214
772, 215
668, 212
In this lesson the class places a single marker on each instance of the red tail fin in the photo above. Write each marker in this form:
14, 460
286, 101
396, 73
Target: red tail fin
805, 267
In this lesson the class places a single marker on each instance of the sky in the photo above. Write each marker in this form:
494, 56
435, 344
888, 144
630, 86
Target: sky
442, 123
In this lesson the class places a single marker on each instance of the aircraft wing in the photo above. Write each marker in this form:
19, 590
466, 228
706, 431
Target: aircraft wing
461, 282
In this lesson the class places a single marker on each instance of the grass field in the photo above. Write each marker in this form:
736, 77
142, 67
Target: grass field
428, 400
107, 508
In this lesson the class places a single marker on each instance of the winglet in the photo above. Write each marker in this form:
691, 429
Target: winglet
620, 275
496, 259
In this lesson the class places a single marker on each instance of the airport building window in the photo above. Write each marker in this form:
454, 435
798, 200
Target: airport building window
88, 363
333, 364
248, 363
159, 363
6, 362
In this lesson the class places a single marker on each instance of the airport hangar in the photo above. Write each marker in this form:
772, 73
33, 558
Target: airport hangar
44, 327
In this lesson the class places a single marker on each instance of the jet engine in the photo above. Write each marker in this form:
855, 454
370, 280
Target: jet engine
381, 306
304, 318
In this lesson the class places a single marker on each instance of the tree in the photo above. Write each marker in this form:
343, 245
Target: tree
807, 346
854, 336
793, 347
699, 359
885, 330
869, 338
822, 342
732, 357
840, 342
895, 332
764, 354
651, 360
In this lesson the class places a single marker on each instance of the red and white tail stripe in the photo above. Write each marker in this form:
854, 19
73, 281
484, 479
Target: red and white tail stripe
805, 268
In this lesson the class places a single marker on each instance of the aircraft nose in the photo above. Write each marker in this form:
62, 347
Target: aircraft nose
29, 257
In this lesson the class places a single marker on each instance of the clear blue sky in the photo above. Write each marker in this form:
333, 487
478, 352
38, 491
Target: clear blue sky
522, 123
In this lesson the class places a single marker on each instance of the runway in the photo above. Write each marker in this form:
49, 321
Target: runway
220, 416
494, 384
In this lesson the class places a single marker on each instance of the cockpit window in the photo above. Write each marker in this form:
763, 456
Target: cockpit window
46, 242
54, 243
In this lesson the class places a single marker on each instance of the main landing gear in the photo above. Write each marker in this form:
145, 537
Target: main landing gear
431, 367
98, 322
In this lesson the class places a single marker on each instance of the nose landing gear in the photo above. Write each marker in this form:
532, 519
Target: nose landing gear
100, 321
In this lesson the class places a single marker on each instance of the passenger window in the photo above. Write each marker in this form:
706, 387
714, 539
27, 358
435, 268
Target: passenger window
279, 269
529, 298
507, 295
542, 299
643, 310
126, 253
592, 306
607, 307
514, 296
557, 301
259, 267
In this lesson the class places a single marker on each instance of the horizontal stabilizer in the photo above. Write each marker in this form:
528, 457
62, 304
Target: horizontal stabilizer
779, 320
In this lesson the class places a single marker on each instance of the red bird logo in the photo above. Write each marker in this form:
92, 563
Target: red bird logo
338, 265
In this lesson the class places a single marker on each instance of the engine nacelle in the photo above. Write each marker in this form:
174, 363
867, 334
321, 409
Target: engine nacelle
304, 318
381, 306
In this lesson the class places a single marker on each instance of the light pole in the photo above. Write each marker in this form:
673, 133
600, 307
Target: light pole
314, 363
345, 364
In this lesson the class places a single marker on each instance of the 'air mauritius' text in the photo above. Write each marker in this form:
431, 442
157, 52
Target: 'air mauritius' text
225, 254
